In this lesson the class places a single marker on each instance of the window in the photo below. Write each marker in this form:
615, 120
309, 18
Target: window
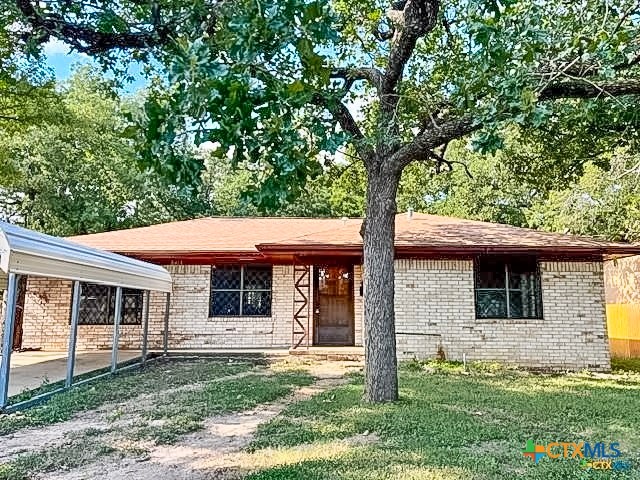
508, 287
97, 305
240, 291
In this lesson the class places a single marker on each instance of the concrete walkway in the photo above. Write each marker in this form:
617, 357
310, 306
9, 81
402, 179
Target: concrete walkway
30, 369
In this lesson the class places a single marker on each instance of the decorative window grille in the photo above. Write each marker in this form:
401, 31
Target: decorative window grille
507, 287
240, 291
97, 305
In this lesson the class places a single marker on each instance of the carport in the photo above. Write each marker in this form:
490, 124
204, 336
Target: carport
25, 252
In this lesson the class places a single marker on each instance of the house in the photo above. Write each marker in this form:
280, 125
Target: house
622, 295
462, 288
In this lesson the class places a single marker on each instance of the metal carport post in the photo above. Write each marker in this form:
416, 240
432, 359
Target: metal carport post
7, 340
165, 338
73, 334
145, 326
25, 252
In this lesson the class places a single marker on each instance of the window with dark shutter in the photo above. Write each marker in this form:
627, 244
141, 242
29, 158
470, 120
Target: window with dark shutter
507, 287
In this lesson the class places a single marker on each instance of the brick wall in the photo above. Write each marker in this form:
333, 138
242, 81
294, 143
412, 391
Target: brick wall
191, 327
48, 304
358, 307
46, 321
435, 310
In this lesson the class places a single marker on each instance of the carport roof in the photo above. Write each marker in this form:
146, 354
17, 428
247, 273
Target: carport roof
27, 252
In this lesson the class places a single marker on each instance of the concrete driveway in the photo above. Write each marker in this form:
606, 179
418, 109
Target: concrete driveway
30, 369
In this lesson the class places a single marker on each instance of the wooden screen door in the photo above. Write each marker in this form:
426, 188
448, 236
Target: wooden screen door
333, 306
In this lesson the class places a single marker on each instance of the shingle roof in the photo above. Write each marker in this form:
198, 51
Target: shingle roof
254, 234
211, 234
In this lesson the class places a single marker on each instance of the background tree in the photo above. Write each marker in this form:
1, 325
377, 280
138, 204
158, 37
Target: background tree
602, 203
76, 172
271, 82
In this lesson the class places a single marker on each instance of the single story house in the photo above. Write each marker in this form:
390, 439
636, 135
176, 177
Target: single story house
463, 288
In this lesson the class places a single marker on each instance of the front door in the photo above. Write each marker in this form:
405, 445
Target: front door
333, 306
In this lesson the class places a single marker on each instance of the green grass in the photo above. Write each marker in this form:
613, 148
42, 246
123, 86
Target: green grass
454, 424
183, 412
157, 376
82, 449
169, 416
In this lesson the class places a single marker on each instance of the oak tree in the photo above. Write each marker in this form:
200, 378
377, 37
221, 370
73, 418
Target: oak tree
276, 83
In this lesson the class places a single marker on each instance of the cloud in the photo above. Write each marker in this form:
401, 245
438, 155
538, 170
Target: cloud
56, 47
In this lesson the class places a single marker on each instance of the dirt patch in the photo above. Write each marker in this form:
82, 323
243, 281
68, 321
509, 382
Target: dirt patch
214, 452
109, 416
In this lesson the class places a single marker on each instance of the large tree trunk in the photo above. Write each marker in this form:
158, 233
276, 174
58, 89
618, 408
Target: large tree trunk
381, 376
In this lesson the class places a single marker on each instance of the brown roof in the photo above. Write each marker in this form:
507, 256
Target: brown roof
211, 234
421, 232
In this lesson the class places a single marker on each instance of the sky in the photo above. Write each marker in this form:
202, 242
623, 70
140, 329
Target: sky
62, 61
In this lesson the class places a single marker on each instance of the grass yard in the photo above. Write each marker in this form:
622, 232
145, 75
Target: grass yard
210, 419
451, 424
141, 409
156, 377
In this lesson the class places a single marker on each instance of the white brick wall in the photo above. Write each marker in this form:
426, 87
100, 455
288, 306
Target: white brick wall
435, 309
46, 321
191, 327
48, 302
358, 307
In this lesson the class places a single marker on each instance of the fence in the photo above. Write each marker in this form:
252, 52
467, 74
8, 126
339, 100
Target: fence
623, 325
622, 288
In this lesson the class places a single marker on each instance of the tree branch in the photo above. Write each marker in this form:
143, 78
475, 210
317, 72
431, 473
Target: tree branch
343, 116
448, 164
416, 19
350, 75
450, 129
87, 39
422, 145
411, 19
587, 89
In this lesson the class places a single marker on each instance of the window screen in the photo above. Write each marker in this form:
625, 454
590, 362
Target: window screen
508, 287
97, 305
240, 290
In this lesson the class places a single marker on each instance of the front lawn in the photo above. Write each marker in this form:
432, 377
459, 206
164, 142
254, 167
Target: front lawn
140, 409
157, 377
452, 424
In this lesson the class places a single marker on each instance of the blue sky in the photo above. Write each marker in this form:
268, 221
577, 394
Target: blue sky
60, 58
